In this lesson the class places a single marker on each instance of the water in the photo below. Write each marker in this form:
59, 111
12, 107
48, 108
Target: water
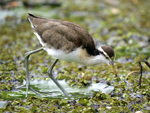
49, 86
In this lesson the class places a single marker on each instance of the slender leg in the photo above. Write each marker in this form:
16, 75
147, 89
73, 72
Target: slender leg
141, 74
27, 70
53, 78
148, 64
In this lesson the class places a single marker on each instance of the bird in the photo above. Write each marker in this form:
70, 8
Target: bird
66, 41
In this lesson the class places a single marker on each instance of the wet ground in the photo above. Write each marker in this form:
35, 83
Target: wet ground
123, 25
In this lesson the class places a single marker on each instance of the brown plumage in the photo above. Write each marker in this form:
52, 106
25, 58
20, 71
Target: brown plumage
109, 51
62, 35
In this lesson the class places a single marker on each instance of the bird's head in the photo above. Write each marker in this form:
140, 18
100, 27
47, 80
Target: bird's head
109, 56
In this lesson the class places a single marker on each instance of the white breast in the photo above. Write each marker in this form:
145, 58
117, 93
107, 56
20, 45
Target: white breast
62, 55
78, 55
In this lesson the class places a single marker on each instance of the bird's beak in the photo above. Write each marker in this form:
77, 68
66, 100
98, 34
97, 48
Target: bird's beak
113, 68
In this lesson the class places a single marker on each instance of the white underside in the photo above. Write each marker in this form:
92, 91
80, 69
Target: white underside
78, 55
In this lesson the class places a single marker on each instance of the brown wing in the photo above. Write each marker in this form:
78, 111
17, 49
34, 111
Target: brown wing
62, 34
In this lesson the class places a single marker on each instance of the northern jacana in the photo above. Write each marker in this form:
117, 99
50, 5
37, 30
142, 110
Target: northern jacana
66, 41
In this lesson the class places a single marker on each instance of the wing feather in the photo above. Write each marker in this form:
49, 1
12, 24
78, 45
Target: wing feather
62, 34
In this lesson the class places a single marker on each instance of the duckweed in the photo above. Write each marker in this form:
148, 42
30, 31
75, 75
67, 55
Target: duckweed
122, 25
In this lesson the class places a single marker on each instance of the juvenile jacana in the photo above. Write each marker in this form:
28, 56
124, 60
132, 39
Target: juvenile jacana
69, 42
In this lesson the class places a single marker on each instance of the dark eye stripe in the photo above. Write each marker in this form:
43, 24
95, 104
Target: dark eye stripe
104, 55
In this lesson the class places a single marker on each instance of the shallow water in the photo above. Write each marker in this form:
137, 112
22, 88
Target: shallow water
55, 92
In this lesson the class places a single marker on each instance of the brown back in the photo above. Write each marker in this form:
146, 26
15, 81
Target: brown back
62, 34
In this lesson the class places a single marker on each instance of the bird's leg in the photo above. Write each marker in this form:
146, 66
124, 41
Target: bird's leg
27, 55
148, 64
141, 74
53, 78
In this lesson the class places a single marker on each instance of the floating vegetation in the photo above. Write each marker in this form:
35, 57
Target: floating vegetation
120, 24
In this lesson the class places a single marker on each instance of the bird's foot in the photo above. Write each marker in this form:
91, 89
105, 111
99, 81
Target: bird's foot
22, 86
40, 93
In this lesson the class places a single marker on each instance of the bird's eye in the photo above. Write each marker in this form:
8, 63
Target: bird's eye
107, 57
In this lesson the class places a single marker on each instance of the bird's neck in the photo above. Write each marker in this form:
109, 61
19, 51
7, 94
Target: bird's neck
91, 59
